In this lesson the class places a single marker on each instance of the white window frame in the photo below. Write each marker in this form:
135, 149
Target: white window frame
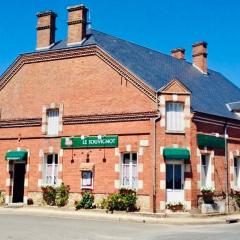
82, 180
236, 174
52, 121
175, 121
54, 178
208, 167
130, 170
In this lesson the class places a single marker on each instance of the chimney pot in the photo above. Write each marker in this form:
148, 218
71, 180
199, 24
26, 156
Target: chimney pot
77, 24
46, 28
178, 53
199, 54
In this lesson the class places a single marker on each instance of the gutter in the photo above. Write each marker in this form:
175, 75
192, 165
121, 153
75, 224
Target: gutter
226, 167
154, 154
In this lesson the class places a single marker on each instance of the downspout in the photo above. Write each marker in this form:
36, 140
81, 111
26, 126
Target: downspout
226, 176
154, 154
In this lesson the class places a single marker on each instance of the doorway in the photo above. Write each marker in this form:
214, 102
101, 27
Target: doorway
174, 181
18, 182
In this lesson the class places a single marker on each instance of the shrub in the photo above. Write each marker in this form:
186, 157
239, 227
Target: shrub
125, 200
62, 195
87, 201
56, 195
207, 189
2, 198
102, 204
49, 195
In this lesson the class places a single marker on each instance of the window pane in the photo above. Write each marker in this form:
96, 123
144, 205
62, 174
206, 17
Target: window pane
125, 175
53, 121
169, 176
126, 158
49, 159
86, 178
177, 176
134, 158
56, 159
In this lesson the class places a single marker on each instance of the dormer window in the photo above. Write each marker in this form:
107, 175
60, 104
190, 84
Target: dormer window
175, 117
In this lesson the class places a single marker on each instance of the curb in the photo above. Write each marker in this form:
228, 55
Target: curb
111, 217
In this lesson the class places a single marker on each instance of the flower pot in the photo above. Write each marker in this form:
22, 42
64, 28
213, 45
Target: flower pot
176, 208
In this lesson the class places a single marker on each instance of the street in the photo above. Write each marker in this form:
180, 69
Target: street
26, 227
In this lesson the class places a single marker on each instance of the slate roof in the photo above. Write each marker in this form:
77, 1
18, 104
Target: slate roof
210, 93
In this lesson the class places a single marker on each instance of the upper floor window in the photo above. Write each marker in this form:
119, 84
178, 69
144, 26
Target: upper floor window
50, 169
205, 171
129, 171
236, 172
174, 116
52, 122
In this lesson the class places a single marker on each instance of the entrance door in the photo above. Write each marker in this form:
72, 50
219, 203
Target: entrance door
18, 182
174, 181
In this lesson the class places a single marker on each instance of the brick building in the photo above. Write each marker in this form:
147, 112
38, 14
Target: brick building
97, 112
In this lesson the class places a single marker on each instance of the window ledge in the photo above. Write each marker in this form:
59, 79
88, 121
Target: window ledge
175, 132
87, 187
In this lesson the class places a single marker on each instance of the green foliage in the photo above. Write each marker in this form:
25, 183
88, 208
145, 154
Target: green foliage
2, 198
125, 200
62, 195
49, 195
56, 195
87, 201
237, 199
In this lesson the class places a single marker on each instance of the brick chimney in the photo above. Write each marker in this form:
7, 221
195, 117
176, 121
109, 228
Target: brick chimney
77, 24
46, 28
199, 54
178, 53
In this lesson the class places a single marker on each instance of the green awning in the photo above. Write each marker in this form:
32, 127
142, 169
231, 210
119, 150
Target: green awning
16, 155
210, 141
176, 154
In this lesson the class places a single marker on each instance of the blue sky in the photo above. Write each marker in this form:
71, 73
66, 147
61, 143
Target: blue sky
158, 24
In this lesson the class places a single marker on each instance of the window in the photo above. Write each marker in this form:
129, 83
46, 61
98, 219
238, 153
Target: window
52, 122
205, 171
50, 170
87, 179
129, 171
174, 116
174, 176
236, 172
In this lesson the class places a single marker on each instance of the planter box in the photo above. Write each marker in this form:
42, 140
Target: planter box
213, 208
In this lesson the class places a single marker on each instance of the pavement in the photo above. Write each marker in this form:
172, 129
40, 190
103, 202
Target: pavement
23, 224
139, 217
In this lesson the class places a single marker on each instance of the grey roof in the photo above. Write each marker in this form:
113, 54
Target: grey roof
210, 92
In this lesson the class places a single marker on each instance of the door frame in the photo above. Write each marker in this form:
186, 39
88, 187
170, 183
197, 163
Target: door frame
13, 176
176, 162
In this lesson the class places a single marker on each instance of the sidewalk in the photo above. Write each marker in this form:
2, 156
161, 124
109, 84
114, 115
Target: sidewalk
181, 219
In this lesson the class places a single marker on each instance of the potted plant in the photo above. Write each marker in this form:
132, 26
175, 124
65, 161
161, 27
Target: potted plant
175, 206
207, 194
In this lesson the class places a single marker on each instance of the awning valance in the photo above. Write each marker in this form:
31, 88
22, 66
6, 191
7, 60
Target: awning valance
176, 154
210, 141
16, 155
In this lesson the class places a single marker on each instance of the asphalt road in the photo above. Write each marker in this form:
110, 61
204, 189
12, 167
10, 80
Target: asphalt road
25, 227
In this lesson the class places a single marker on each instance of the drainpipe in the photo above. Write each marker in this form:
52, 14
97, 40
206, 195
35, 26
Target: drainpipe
226, 177
154, 179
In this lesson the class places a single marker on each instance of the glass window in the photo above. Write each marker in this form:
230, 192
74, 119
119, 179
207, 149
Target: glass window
52, 122
205, 171
236, 172
50, 168
87, 179
129, 171
174, 116
174, 176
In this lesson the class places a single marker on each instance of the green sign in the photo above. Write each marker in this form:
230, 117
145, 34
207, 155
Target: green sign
89, 142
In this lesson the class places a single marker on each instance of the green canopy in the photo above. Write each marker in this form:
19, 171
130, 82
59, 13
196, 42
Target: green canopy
176, 154
210, 141
16, 155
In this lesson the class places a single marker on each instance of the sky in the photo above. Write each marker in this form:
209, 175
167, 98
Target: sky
158, 24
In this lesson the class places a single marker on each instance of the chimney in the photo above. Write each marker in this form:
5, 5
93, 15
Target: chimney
178, 53
199, 53
46, 27
77, 24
